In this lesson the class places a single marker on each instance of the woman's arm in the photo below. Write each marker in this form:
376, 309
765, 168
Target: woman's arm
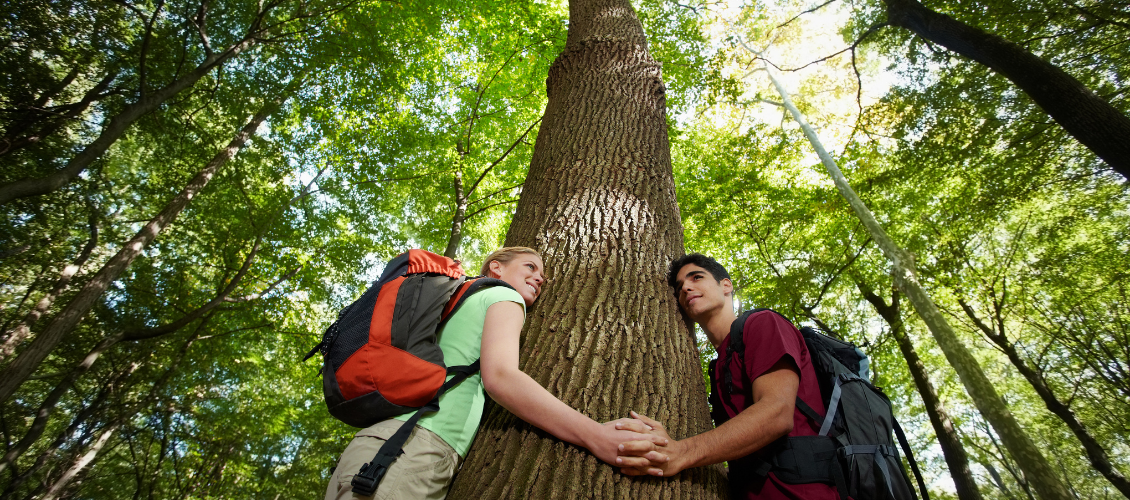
527, 399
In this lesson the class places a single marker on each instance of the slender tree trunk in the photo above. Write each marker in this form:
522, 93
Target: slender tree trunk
56, 488
948, 439
458, 219
606, 336
1096, 454
1036, 468
1089, 118
117, 126
19, 333
39, 424
68, 318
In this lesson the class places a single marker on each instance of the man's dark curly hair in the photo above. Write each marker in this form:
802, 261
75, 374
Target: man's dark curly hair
712, 266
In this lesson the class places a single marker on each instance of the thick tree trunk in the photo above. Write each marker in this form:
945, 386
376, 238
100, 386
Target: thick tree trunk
1083, 114
948, 439
68, 318
117, 126
1036, 468
1096, 454
606, 336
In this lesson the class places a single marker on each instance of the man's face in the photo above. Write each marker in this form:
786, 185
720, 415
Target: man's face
699, 293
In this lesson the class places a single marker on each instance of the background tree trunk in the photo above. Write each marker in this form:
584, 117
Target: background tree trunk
1089, 118
1096, 453
1037, 470
69, 317
952, 449
606, 336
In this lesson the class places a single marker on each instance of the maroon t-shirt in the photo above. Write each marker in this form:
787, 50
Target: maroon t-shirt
769, 338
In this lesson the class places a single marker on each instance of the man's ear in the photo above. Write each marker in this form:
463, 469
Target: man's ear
727, 287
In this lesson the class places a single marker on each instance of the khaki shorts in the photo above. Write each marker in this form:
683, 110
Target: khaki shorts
424, 471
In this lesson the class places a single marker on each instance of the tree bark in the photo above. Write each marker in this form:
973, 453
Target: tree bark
1093, 121
117, 126
1096, 454
68, 318
606, 336
1036, 468
952, 449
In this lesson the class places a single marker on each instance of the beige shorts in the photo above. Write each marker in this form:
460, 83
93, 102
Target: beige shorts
424, 471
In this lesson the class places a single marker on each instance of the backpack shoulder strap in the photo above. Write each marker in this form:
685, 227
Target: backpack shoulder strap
910, 459
468, 288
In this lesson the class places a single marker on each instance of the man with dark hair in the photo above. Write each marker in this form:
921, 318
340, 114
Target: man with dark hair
754, 405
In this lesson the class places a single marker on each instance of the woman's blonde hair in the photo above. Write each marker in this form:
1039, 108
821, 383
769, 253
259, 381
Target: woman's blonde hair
504, 255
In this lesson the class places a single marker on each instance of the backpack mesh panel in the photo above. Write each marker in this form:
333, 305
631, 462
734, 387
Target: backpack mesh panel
353, 326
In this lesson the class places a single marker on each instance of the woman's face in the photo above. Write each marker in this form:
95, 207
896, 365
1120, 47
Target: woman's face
523, 272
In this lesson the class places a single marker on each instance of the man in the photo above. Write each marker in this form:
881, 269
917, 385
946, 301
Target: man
758, 409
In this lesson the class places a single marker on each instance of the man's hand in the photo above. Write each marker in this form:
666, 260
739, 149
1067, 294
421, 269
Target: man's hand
644, 457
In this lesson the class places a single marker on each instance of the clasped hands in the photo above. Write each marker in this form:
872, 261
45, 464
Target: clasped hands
648, 457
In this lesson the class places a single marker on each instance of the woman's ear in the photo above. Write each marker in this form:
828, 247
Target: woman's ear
495, 268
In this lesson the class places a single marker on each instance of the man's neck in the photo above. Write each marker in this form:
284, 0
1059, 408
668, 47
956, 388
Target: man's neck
717, 326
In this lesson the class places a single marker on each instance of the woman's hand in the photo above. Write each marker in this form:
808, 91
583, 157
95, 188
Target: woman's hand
606, 439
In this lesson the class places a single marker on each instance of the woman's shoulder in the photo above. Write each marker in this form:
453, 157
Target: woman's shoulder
493, 294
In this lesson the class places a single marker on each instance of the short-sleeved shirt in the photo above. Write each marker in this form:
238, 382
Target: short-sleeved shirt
461, 407
768, 339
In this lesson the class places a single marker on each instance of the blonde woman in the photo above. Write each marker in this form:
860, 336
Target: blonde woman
486, 327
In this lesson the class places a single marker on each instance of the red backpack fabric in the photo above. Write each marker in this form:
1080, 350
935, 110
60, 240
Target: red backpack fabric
380, 356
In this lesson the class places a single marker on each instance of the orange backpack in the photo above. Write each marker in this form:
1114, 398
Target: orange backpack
381, 358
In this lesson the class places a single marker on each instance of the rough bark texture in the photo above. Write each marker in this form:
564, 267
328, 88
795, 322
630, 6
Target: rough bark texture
606, 336
952, 449
1096, 454
1083, 114
1032, 462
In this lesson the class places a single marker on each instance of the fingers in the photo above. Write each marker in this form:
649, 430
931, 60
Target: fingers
635, 448
631, 424
633, 462
651, 471
647, 420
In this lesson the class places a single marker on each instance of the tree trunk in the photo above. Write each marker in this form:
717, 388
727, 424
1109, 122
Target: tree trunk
457, 220
606, 336
57, 487
948, 439
1093, 121
68, 318
1096, 454
1036, 468
117, 126
17, 334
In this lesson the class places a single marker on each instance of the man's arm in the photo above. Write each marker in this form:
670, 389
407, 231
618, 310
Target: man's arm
527, 399
769, 418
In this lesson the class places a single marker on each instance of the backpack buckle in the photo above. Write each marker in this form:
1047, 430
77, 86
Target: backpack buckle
366, 481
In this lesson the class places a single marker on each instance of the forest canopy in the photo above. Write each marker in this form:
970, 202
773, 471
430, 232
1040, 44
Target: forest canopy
191, 189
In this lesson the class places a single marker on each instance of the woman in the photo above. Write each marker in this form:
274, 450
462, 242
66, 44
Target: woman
487, 327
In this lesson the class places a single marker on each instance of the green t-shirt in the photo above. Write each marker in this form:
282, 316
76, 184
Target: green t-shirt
461, 408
